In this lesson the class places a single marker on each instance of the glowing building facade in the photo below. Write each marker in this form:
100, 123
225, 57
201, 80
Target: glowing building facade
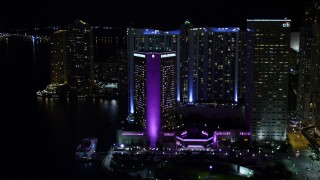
79, 54
150, 40
71, 58
58, 63
213, 64
184, 62
154, 79
207, 61
309, 76
268, 46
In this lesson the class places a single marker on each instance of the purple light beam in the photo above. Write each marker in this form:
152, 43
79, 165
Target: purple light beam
153, 97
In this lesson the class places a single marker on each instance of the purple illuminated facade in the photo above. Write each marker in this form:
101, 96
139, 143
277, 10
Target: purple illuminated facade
211, 138
220, 133
169, 134
153, 97
227, 134
154, 92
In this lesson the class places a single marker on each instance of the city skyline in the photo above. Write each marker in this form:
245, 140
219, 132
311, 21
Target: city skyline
168, 89
120, 14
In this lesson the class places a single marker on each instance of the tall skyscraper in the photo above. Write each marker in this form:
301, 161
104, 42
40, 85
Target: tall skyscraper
155, 85
207, 60
58, 62
150, 40
242, 65
79, 49
268, 46
184, 61
309, 74
213, 64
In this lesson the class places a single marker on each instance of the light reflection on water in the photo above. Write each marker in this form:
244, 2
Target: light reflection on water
86, 117
51, 128
69, 121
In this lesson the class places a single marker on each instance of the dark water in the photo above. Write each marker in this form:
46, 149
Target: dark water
39, 136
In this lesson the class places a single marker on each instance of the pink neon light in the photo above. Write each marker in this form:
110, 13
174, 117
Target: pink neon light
204, 133
184, 133
153, 102
195, 140
245, 133
168, 134
218, 133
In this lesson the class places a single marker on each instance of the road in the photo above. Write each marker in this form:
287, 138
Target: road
297, 139
299, 163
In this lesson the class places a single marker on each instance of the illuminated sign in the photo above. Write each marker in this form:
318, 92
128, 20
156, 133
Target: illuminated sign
268, 20
168, 55
286, 24
168, 134
204, 133
139, 55
245, 133
132, 133
184, 133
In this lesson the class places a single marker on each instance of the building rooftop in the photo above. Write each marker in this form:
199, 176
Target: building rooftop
261, 20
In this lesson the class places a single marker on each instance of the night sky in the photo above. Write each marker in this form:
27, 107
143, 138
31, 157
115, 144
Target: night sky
141, 13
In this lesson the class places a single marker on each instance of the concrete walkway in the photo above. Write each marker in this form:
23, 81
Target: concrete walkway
107, 160
107, 166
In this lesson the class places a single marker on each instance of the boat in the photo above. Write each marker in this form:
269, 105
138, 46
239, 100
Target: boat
86, 151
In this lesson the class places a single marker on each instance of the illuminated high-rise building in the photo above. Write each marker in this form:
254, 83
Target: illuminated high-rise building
79, 54
309, 76
154, 79
242, 65
213, 64
207, 61
58, 65
150, 40
268, 46
184, 61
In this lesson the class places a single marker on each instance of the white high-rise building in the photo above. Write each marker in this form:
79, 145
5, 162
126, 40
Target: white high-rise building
268, 46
